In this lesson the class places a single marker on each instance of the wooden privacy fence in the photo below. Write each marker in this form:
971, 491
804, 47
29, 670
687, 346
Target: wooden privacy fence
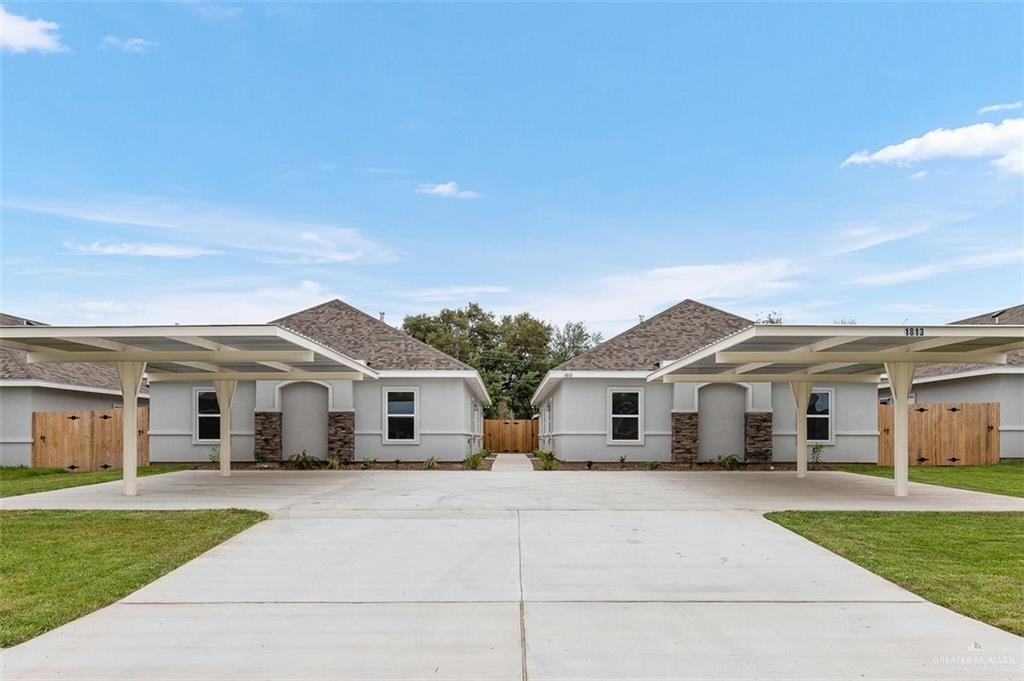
944, 434
85, 440
510, 435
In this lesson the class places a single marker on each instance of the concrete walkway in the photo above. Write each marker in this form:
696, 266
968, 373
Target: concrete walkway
539, 575
511, 463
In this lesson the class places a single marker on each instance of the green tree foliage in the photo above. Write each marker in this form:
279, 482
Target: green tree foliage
512, 353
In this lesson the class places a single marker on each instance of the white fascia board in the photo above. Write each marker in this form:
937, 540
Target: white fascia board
28, 383
987, 371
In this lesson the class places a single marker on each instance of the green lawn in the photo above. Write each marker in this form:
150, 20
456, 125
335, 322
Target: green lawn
998, 478
969, 562
56, 566
15, 480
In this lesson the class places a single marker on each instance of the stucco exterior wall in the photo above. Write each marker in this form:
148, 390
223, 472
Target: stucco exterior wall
172, 415
1007, 389
580, 421
855, 424
17, 404
445, 429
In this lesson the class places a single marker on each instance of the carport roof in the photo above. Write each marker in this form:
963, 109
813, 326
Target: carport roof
189, 353
838, 353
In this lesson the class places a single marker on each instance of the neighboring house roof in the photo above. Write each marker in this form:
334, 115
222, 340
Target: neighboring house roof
674, 333
1010, 315
357, 334
14, 366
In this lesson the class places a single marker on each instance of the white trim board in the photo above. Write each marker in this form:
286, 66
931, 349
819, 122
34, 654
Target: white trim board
987, 371
29, 383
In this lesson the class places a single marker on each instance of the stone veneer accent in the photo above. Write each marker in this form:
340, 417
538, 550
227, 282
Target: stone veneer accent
341, 435
268, 435
684, 437
757, 436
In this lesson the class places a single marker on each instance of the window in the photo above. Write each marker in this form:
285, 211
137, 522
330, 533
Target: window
400, 415
625, 413
207, 427
819, 415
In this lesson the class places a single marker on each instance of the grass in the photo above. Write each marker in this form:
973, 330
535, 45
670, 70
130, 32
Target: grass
968, 562
56, 566
15, 480
998, 478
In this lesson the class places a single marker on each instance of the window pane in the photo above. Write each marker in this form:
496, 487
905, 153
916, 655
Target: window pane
817, 429
625, 403
625, 428
401, 403
209, 428
207, 403
818, 404
400, 428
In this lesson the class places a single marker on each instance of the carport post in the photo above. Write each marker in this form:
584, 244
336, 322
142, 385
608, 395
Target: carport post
225, 393
130, 376
901, 380
801, 398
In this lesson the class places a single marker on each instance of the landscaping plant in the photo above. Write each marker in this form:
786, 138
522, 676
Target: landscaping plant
815, 454
334, 463
431, 463
367, 464
474, 460
728, 462
303, 461
653, 465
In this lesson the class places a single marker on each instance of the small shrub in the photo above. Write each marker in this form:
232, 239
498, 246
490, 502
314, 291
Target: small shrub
547, 459
815, 454
260, 456
622, 459
474, 460
548, 464
335, 463
303, 461
590, 464
653, 465
431, 463
367, 464
728, 462
214, 455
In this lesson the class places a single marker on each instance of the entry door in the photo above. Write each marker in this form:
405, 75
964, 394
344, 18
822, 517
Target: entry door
304, 419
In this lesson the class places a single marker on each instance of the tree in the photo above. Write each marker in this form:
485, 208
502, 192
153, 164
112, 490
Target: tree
571, 340
512, 354
770, 317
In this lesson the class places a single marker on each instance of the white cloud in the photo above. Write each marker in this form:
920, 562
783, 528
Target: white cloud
919, 175
140, 249
21, 34
446, 293
613, 303
447, 190
1010, 106
132, 45
903, 275
282, 240
1004, 142
853, 237
171, 305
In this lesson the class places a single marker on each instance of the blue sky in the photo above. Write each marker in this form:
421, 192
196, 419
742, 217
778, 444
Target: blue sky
196, 162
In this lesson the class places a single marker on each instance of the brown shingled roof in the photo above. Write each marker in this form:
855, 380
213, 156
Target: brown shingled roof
358, 335
14, 366
668, 335
1009, 315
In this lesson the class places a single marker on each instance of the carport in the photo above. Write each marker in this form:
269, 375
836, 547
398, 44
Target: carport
222, 354
804, 355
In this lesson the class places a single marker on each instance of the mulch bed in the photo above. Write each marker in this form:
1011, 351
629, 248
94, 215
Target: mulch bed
662, 466
354, 466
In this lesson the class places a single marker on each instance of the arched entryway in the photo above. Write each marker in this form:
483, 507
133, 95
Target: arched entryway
721, 409
304, 406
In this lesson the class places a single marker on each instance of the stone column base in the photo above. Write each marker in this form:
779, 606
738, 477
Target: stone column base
684, 437
341, 435
757, 437
267, 445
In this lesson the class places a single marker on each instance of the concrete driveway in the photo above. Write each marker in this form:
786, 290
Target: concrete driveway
542, 575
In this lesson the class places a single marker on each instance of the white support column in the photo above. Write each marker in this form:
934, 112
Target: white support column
130, 376
801, 398
225, 393
901, 380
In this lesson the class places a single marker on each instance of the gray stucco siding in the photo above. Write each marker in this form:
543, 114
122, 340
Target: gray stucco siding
1006, 389
855, 423
172, 418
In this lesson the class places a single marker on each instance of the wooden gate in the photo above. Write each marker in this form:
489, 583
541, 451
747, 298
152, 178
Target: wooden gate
944, 434
510, 435
84, 440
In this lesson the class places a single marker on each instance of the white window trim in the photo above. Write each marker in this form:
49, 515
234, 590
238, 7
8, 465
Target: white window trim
831, 417
196, 440
415, 415
639, 416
